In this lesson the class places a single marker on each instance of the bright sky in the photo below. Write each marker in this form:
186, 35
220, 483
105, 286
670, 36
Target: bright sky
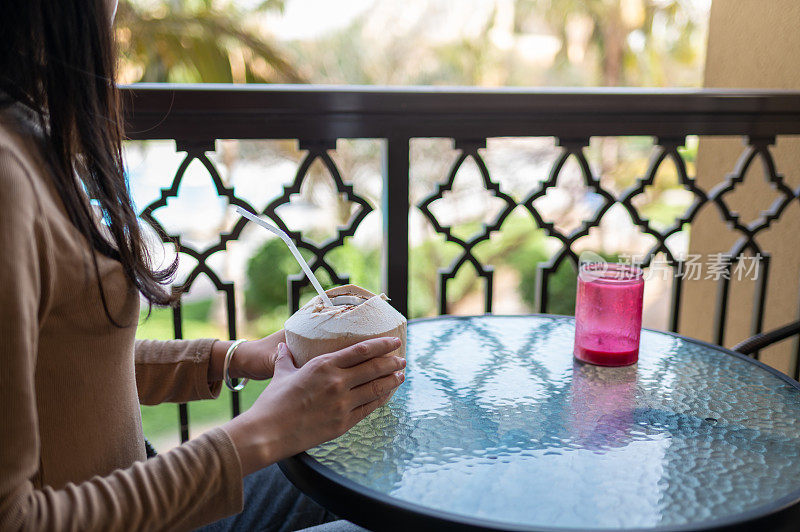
309, 18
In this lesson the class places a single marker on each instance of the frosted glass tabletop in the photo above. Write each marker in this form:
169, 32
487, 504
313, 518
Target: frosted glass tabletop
497, 426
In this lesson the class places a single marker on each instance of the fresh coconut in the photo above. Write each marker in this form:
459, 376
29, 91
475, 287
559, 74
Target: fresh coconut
338, 318
356, 315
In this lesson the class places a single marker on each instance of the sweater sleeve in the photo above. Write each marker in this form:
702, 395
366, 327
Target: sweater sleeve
174, 371
193, 484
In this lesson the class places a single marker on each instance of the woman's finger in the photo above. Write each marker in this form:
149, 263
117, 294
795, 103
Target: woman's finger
375, 389
373, 369
363, 351
362, 411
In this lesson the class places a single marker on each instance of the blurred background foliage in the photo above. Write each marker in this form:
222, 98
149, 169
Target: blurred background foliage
470, 42
199, 41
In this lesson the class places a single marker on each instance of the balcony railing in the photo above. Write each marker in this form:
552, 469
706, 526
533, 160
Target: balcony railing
196, 116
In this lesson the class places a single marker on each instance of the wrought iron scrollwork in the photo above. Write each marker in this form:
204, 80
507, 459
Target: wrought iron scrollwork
570, 148
666, 149
317, 150
755, 148
469, 149
197, 151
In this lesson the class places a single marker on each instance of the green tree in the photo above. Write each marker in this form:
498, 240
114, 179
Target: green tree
269, 267
266, 278
200, 41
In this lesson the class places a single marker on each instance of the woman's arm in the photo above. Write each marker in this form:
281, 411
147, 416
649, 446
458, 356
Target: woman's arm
252, 360
191, 485
174, 371
178, 371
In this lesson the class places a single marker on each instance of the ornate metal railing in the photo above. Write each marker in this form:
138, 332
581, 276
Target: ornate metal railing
196, 116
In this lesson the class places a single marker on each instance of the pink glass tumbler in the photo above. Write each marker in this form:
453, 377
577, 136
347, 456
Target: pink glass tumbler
608, 314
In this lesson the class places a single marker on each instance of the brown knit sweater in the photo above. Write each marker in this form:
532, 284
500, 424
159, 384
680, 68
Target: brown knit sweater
71, 447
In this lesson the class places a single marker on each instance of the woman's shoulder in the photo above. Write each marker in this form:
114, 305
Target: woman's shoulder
22, 164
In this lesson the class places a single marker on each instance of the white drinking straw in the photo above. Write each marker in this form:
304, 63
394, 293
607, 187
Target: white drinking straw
297, 256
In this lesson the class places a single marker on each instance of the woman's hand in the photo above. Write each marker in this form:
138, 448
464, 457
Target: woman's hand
252, 360
304, 407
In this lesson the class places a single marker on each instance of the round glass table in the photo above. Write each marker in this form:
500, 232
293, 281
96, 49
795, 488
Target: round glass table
498, 427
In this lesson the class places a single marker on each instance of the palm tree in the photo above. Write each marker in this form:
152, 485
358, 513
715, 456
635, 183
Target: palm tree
209, 41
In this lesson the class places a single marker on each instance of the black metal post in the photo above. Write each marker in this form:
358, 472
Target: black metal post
183, 408
395, 204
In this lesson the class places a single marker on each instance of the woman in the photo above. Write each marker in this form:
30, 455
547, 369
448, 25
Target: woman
72, 376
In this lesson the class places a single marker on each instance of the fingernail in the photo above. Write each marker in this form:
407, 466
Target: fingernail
396, 342
281, 348
401, 362
400, 376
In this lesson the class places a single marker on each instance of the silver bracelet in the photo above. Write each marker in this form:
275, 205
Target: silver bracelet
225, 375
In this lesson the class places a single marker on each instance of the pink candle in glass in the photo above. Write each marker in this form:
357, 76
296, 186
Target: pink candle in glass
608, 314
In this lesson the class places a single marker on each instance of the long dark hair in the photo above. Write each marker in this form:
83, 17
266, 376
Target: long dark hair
58, 59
